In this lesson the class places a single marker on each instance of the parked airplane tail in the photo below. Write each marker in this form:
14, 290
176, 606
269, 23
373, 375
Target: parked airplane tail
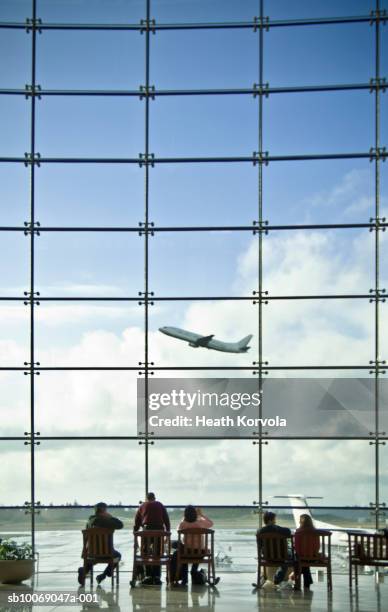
299, 505
243, 344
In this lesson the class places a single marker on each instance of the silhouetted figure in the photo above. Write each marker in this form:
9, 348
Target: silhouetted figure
271, 527
152, 515
101, 518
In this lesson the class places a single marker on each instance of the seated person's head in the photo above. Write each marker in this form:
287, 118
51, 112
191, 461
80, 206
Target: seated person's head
100, 508
269, 518
151, 496
306, 521
190, 514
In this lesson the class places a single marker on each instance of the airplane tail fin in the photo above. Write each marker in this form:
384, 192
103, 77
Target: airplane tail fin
242, 345
301, 502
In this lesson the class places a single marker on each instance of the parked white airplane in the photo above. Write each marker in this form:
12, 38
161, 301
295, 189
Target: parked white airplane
339, 536
196, 340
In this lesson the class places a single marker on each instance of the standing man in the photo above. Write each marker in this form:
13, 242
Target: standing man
101, 518
152, 515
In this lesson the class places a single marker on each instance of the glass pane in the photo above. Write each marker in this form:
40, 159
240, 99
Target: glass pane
211, 474
90, 195
178, 57
93, 60
203, 126
114, 472
14, 126
92, 11
14, 333
15, 524
384, 479
340, 191
14, 194
89, 264
200, 194
62, 553
14, 403
15, 473
102, 334
336, 54
334, 262
86, 403
303, 9
15, 59
349, 483
229, 321
94, 127
297, 124
202, 10
203, 263
384, 116
318, 332
318, 405
14, 265
15, 11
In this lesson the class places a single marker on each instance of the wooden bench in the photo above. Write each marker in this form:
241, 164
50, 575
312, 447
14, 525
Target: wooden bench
366, 549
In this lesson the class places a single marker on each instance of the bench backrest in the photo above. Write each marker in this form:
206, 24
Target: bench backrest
195, 542
368, 546
274, 547
152, 544
97, 542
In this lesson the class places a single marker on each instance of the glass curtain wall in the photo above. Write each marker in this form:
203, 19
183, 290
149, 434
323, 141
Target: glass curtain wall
215, 166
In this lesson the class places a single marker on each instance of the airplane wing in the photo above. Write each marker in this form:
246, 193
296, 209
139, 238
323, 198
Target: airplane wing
204, 340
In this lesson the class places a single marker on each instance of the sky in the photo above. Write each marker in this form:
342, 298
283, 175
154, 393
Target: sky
189, 263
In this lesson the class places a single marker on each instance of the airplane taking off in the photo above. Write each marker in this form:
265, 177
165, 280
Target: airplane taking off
196, 340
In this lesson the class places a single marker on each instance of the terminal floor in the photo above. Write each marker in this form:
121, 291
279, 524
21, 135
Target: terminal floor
234, 593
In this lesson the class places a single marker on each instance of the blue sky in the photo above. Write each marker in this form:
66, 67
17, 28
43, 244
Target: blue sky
187, 264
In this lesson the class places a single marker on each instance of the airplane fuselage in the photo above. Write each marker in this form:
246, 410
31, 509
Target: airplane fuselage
197, 340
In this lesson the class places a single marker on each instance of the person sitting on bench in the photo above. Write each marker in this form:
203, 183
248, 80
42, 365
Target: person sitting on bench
101, 518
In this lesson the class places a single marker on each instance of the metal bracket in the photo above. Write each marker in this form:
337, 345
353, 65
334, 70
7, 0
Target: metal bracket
141, 303
378, 84
260, 158
378, 223
33, 91
257, 363
378, 367
30, 159
28, 364
30, 298
146, 228
260, 509
260, 227
146, 364
26, 433
31, 228
146, 442
260, 90
378, 16
33, 24
29, 509
260, 294
260, 23
147, 25
379, 153
147, 92
145, 159
377, 296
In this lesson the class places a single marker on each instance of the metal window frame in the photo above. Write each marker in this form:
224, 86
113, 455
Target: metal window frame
377, 154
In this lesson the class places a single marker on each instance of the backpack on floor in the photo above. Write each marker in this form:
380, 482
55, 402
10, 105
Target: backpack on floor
199, 577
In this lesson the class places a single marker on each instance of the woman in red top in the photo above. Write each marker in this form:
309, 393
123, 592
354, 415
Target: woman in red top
306, 545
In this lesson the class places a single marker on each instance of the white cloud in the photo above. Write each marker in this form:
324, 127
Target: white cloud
97, 403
